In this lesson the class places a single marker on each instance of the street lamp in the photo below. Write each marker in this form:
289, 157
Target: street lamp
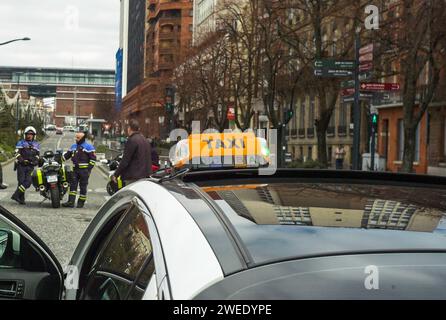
23, 39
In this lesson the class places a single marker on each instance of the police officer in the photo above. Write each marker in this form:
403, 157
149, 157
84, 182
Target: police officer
27, 157
84, 159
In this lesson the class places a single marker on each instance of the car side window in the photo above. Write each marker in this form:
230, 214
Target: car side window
143, 280
123, 258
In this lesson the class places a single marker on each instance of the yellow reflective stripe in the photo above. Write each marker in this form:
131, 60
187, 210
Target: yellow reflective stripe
119, 183
73, 193
92, 163
39, 177
82, 197
22, 188
83, 167
64, 174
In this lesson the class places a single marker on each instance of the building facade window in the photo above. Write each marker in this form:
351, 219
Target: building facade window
311, 112
302, 115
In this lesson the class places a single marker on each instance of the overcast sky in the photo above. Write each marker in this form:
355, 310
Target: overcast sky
64, 33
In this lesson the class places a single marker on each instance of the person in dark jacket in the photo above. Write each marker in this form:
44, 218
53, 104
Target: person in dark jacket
27, 157
83, 156
136, 162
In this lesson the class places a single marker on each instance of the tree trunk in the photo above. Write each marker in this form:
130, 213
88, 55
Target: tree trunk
322, 146
409, 148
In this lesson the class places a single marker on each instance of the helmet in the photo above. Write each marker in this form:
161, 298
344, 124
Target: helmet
30, 130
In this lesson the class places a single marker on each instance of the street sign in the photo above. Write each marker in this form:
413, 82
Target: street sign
348, 84
332, 73
362, 97
365, 76
367, 66
366, 49
366, 58
374, 86
348, 92
334, 64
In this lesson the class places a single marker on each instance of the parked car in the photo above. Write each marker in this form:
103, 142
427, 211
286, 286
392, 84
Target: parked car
232, 234
50, 127
59, 131
69, 129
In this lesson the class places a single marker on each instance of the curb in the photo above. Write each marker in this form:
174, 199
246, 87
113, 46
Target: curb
4, 164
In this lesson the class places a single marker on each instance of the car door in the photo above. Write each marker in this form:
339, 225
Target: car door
124, 266
28, 269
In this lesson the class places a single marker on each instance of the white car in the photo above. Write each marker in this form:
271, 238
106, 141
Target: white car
230, 234
68, 129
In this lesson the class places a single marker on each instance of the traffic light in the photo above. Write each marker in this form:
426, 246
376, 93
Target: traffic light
169, 107
375, 120
288, 115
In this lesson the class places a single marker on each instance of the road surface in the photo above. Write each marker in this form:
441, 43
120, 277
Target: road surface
60, 229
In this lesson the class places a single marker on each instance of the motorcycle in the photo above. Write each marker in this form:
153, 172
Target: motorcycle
52, 178
113, 187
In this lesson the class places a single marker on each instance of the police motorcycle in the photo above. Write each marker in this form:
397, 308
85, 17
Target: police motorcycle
113, 187
52, 178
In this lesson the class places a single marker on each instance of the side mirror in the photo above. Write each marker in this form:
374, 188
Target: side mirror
9, 245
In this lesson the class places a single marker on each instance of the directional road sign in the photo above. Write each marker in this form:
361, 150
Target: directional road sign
366, 49
367, 66
362, 97
348, 84
375, 86
332, 73
334, 64
366, 58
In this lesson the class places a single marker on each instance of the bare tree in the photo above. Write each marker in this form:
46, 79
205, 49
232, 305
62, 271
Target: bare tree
415, 42
309, 41
104, 107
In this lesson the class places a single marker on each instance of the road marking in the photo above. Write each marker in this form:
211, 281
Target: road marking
58, 143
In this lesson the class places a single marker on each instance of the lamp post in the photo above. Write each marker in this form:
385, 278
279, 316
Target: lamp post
18, 108
10, 41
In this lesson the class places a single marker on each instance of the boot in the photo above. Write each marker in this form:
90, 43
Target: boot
17, 196
70, 202
2, 186
81, 202
22, 197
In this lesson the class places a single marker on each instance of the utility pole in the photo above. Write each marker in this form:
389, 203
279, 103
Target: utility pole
357, 108
170, 107
75, 107
18, 101
374, 127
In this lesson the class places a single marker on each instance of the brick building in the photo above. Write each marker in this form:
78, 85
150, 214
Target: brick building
168, 37
78, 91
